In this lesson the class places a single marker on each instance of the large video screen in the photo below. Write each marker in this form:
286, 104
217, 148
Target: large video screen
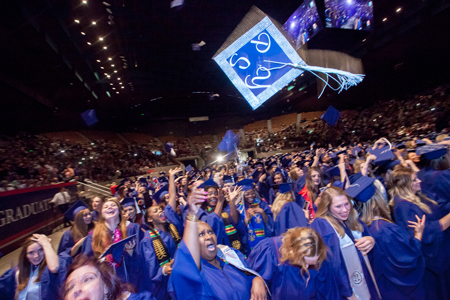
349, 14
303, 24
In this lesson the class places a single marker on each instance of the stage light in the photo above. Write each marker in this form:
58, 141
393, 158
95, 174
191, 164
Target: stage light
118, 79
220, 158
109, 58
115, 71
112, 65
113, 88
89, 43
94, 23
83, 33
98, 60
399, 9
102, 68
106, 74
117, 92
385, 19
111, 83
105, 47
122, 87
84, 1
77, 21
100, 39
120, 83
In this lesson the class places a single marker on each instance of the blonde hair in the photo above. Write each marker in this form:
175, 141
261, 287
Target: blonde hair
299, 242
101, 238
400, 185
280, 201
323, 211
375, 206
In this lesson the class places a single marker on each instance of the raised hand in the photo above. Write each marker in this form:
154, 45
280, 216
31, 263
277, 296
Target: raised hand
195, 199
233, 194
41, 239
172, 172
418, 226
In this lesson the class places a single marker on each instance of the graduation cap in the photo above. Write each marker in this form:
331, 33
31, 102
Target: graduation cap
89, 117
208, 183
390, 164
356, 150
432, 151
247, 184
335, 171
129, 201
331, 116
228, 179
143, 180
117, 249
383, 155
284, 187
420, 143
362, 189
74, 209
161, 193
188, 168
271, 164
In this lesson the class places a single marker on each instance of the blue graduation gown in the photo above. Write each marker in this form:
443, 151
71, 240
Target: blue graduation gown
269, 227
286, 281
128, 270
435, 246
188, 282
272, 196
152, 278
299, 184
399, 264
290, 216
66, 242
174, 218
141, 296
330, 239
437, 182
50, 283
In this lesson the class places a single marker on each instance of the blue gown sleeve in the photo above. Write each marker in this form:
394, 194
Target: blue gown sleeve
299, 184
330, 239
141, 296
263, 259
270, 230
403, 262
326, 284
174, 218
185, 282
290, 216
51, 283
8, 284
66, 241
272, 196
87, 246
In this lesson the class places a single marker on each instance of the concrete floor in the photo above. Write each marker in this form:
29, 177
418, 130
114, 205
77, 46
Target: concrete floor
11, 259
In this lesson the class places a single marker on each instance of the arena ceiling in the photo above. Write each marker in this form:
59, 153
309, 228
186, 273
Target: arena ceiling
132, 60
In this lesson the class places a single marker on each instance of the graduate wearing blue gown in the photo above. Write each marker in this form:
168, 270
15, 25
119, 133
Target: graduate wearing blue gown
336, 206
287, 213
202, 271
399, 264
287, 280
50, 282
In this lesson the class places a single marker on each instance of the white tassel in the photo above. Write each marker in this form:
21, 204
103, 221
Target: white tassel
344, 79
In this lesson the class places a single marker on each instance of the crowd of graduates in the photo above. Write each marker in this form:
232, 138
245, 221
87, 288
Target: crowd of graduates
355, 221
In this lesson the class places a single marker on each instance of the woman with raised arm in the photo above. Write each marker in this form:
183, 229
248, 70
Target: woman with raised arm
112, 228
295, 266
349, 240
82, 224
38, 275
205, 270
158, 247
88, 278
400, 265
408, 202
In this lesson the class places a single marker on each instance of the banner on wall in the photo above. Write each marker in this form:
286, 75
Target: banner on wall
27, 211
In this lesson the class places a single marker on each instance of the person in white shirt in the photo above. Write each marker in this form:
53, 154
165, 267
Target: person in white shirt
61, 200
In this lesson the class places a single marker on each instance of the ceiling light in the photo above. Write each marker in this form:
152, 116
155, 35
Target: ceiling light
105, 47
115, 71
117, 92
101, 68
84, 1
112, 65
120, 83
77, 21
83, 33
385, 19
123, 87
106, 74
94, 23
89, 43
111, 83
109, 58
100, 39
399, 9
118, 79
113, 88
98, 60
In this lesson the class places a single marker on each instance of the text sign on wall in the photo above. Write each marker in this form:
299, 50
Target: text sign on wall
246, 62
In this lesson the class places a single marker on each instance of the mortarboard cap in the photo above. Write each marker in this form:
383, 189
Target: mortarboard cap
74, 209
432, 151
161, 193
420, 143
356, 150
188, 168
383, 155
247, 184
284, 187
362, 189
208, 183
128, 201
331, 116
117, 249
143, 180
334, 171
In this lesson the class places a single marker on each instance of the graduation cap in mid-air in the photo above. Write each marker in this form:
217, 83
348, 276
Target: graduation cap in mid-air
331, 116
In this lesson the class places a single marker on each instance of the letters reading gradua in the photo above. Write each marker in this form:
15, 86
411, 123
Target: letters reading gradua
246, 62
9, 216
